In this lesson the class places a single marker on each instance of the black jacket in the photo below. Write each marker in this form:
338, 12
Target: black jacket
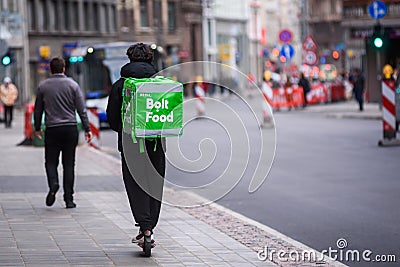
303, 82
133, 70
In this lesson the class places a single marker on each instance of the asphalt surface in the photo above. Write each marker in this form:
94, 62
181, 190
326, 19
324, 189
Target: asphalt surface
329, 179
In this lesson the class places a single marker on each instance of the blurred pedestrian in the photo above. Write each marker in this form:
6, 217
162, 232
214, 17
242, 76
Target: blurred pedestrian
358, 87
8, 95
289, 92
143, 173
59, 97
304, 82
250, 85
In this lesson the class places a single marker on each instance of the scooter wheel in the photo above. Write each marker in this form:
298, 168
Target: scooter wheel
147, 244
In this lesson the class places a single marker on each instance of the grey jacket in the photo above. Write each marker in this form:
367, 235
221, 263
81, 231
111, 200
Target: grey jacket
59, 97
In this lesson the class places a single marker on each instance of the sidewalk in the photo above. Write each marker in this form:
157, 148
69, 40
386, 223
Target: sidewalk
346, 110
98, 231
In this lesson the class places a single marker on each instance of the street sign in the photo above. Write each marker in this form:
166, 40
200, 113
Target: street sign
287, 51
377, 9
310, 58
309, 44
285, 36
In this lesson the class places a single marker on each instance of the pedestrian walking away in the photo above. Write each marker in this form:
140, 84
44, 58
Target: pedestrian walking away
8, 95
60, 97
143, 173
305, 84
358, 88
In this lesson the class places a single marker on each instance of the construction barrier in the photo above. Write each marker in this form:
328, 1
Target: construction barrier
28, 128
337, 92
289, 97
389, 114
297, 96
267, 93
200, 102
318, 94
293, 97
94, 122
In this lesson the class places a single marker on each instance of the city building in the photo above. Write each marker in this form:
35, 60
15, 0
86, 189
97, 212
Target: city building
347, 26
279, 16
358, 27
229, 36
13, 46
56, 27
175, 25
325, 25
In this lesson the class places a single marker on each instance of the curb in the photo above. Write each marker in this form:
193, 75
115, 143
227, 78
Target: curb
353, 116
237, 226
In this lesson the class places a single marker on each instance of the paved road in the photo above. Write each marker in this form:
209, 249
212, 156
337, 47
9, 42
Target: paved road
329, 180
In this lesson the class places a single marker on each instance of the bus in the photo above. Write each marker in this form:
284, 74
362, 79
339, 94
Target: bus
96, 67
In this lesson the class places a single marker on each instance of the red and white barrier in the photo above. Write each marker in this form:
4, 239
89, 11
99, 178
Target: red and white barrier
28, 127
288, 97
318, 94
267, 102
293, 96
200, 94
388, 113
94, 122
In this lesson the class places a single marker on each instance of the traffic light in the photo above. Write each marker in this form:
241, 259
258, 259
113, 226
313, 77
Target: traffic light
379, 38
335, 54
7, 59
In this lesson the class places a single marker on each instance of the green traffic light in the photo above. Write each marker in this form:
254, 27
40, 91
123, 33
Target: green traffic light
378, 42
6, 60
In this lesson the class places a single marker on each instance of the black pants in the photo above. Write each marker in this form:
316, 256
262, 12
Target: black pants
143, 175
359, 98
62, 139
8, 115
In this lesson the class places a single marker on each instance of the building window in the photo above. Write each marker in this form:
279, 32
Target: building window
113, 19
394, 9
96, 16
42, 16
103, 15
171, 16
31, 16
144, 18
354, 11
65, 25
11, 5
51, 15
86, 15
75, 11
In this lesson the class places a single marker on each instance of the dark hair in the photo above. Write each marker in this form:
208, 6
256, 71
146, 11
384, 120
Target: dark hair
140, 52
57, 65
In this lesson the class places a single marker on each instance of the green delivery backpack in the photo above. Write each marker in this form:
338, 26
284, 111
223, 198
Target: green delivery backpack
152, 108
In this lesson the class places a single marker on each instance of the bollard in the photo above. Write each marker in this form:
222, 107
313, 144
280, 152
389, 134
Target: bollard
388, 114
94, 122
267, 93
28, 128
200, 103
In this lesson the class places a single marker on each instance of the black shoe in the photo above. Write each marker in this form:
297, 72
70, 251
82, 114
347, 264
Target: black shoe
51, 196
70, 204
